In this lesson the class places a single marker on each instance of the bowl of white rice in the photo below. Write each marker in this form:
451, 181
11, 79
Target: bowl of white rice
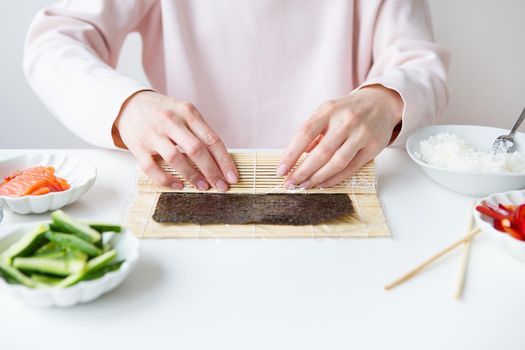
459, 158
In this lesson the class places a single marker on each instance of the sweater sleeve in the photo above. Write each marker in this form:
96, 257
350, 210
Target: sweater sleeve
70, 57
406, 59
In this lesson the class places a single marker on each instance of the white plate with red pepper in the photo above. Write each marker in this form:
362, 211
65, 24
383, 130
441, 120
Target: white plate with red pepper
501, 217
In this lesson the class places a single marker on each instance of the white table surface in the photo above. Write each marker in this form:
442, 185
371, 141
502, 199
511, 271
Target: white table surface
288, 293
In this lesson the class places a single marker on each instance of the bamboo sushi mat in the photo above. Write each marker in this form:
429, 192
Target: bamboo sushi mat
257, 176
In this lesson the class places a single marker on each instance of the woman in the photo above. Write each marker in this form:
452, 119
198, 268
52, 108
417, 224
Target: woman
241, 74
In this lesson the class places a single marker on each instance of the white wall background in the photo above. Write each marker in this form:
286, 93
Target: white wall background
487, 77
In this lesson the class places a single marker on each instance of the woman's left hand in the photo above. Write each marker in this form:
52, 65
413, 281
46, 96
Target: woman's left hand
341, 136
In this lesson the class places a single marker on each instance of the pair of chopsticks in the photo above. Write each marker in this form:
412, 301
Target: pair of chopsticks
465, 240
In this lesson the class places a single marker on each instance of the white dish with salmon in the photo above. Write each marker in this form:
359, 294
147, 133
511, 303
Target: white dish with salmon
37, 183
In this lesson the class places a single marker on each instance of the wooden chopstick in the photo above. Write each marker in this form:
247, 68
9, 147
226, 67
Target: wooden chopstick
460, 284
429, 261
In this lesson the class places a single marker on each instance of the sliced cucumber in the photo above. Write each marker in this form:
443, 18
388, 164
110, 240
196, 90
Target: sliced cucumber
76, 265
58, 253
12, 275
52, 266
66, 223
26, 246
101, 260
71, 279
75, 276
46, 248
67, 240
59, 267
97, 273
100, 243
102, 227
57, 228
61, 254
77, 254
45, 280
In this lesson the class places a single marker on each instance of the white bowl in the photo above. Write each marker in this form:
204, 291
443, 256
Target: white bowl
79, 173
127, 246
470, 183
513, 246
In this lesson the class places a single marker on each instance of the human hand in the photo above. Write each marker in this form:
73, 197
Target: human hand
151, 123
341, 136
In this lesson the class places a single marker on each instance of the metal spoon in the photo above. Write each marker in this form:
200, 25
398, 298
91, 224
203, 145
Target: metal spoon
506, 143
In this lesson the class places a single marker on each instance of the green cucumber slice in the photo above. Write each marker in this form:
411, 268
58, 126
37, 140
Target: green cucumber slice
76, 265
94, 268
76, 275
67, 240
57, 228
98, 273
59, 253
52, 266
48, 247
77, 254
102, 227
12, 275
59, 267
101, 260
71, 279
26, 245
66, 223
45, 280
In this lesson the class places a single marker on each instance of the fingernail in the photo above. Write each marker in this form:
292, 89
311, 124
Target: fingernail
221, 185
202, 185
177, 186
306, 184
282, 170
289, 184
232, 177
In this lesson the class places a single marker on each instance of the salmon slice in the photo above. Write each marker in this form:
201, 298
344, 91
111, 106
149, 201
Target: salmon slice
33, 181
41, 191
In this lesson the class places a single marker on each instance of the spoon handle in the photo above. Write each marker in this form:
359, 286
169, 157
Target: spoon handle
518, 123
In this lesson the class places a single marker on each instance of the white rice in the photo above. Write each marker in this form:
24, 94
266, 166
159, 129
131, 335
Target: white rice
446, 150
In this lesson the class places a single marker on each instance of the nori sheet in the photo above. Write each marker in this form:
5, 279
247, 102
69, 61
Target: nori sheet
235, 208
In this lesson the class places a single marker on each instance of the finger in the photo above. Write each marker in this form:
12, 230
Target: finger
216, 148
304, 137
148, 165
174, 157
339, 161
319, 156
314, 143
199, 154
360, 159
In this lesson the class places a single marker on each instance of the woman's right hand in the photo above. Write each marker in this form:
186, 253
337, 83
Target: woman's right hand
151, 123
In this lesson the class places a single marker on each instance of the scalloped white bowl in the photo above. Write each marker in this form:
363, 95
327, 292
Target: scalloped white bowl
513, 246
127, 247
469, 183
79, 173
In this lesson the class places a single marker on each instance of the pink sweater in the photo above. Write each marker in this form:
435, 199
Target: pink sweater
255, 69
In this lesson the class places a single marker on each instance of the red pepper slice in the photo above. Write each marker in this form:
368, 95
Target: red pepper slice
489, 205
514, 233
490, 212
498, 226
513, 223
518, 219
509, 208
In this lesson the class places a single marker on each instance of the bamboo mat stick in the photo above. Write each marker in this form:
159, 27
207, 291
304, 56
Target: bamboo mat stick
429, 261
460, 284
